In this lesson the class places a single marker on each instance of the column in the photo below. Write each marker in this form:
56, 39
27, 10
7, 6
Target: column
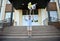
58, 9
39, 17
14, 17
2, 17
20, 16
17, 18
3, 9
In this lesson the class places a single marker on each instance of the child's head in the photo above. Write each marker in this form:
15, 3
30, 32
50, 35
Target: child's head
29, 17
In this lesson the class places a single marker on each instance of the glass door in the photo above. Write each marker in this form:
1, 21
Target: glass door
33, 14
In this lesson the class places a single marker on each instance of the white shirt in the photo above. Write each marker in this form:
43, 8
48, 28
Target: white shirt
29, 22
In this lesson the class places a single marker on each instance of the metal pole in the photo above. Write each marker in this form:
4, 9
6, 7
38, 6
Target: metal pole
11, 20
48, 9
30, 11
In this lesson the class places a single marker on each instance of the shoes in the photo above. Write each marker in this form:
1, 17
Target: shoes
29, 36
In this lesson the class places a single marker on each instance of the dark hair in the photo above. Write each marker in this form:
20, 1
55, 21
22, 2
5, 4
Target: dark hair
29, 16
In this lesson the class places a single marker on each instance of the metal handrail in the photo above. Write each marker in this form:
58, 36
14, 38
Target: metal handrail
5, 22
50, 21
45, 21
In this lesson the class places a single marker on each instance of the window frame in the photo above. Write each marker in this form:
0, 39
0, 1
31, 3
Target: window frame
27, 12
59, 3
55, 19
52, 0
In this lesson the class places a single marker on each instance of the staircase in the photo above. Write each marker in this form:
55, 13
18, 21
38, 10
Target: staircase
37, 32
56, 24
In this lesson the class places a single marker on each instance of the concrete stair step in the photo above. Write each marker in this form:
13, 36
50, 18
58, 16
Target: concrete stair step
31, 39
37, 31
32, 36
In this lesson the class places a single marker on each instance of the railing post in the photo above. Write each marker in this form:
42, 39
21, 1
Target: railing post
49, 18
11, 20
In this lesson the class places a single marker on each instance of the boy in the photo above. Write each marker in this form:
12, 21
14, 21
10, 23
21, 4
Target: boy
29, 28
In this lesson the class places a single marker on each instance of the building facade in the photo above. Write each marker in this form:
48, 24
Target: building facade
41, 16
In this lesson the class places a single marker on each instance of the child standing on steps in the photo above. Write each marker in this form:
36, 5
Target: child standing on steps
29, 28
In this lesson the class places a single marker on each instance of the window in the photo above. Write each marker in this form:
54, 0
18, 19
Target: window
8, 14
0, 4
52, 0
53, 16
35, 16
8, 2
0, 8
26, 12
59, 3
